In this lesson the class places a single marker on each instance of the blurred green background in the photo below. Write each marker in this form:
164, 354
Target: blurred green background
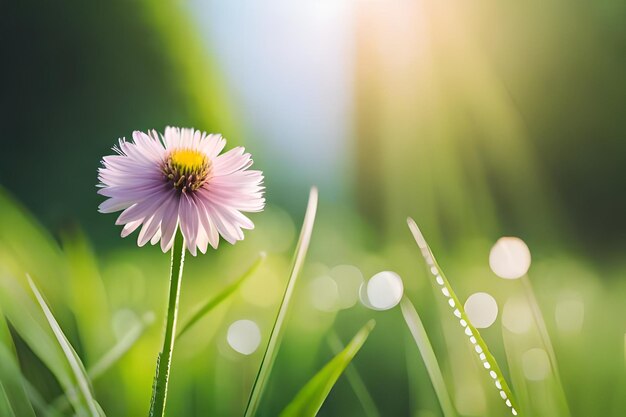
479, 120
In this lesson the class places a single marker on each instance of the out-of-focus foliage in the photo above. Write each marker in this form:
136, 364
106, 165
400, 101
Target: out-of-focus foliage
210, 377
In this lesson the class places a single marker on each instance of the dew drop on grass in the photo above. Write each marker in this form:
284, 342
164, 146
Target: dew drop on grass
509, 258
244, 336
482, 310
385, 290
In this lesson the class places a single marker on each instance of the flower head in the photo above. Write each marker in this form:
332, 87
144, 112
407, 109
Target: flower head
177, 180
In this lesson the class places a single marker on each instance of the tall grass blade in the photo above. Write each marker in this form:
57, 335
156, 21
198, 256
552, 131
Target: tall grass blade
13, 398
547, 343
479, 345
41, 406
212, 303
311, 397
76, 365
26, 317
277, 329
414, 323
355, 380
109, 359
513, 356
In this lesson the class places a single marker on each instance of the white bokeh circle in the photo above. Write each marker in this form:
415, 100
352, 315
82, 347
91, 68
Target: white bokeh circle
510, 258
482, 309
384, 290
244, 336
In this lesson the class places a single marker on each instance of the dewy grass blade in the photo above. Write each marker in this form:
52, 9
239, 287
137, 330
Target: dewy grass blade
212, 303
422, 341
355, 380
479, 345
72, 358
277, 329
311, 397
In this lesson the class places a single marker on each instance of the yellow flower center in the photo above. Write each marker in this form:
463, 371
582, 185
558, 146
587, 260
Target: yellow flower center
188, 160
187, 169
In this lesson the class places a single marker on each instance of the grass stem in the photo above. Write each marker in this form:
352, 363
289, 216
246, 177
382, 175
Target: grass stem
414, 323
354, 378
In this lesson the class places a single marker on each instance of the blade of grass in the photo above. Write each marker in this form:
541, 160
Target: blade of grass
513, 357
11, 378
355, 380
14, 402
414, 323
480, 347
27, 319
269, 356
110, 358
38, 402
76, 365
547, 343
311, 397
212, 303
5, 406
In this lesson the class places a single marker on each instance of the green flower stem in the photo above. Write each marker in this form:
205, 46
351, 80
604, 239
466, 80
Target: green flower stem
161, 378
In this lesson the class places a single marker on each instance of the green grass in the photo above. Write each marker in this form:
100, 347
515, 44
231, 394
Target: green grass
104, 304
271, 350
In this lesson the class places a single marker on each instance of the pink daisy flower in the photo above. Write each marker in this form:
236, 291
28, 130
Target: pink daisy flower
177, 180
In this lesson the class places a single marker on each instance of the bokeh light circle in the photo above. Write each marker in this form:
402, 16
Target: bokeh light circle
385, 290
509, 258
516, 315
535, 364
482, 309
349, 279
244, 336
324, 293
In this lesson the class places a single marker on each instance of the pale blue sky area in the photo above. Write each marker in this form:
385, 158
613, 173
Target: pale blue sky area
288, 65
